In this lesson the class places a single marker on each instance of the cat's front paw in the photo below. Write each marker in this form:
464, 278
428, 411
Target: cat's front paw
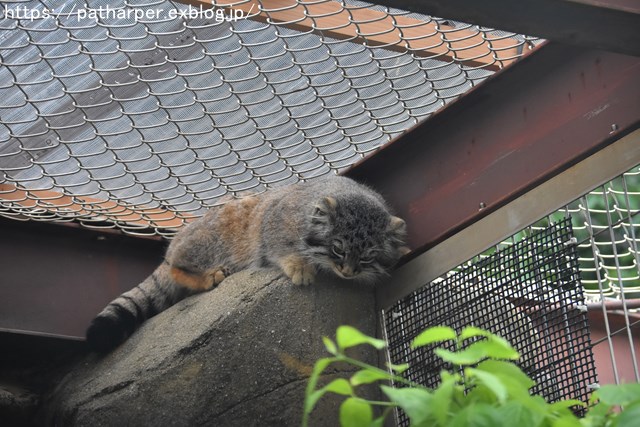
298, 270
214, 277
218, 275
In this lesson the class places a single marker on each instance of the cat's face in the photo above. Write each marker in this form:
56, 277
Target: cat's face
355, 238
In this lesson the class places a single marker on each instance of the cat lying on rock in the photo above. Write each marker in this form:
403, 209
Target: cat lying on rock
332, 224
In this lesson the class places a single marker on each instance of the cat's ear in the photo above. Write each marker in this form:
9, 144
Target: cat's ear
397, 225
397, 233
403, 250
324, 210
397, 230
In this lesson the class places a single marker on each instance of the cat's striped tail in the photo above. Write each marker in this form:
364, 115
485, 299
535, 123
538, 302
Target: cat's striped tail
122, 316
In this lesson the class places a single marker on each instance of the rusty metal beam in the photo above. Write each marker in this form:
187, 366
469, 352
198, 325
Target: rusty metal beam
54, 279
611, 25
548, 197
520, 128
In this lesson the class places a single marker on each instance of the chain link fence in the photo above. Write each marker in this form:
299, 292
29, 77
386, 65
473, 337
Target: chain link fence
140, 115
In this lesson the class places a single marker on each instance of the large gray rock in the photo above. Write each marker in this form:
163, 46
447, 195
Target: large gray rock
238, 355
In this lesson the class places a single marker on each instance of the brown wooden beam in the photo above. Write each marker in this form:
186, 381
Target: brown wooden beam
55, 279
522, 126
548, 197
426, 39
612, 25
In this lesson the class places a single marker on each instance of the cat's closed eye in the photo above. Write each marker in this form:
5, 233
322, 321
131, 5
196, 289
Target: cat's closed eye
338, 249
367, 259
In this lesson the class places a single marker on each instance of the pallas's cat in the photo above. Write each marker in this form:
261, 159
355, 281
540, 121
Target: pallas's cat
334, 225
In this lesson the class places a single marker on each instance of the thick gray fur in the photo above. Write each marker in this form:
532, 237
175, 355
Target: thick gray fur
333, 225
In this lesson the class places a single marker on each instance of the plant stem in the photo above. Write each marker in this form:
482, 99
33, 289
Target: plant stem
392, 377
376, 402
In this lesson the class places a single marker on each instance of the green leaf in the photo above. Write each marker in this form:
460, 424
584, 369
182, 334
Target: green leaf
478, 351
368, 376
492, 382
503, 349
620, 394
330, 345
378, 422
339, 386
598, 412
480, 394
536, 403
355, 413
310, 402
348, 336
477, 415
563, 405
441, 399
629, 416
398, 368
568, 420
469, 356
561, 414
519, 415
415, 402
472, 331
446, 376
311, 394
517, 384
510, 374
434, 335
498, 348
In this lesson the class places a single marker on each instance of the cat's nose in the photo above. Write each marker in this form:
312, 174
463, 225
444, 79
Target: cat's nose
347, 271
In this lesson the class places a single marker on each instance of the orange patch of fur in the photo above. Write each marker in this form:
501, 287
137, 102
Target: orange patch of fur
198, 282
235, 226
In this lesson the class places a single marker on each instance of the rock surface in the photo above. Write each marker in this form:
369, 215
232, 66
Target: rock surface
238, 355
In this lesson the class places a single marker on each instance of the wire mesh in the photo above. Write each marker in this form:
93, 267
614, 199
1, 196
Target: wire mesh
607, 227
606, 224
140, 115
529, 293
607, 230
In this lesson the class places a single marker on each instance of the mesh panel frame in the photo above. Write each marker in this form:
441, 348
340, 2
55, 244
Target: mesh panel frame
529, 293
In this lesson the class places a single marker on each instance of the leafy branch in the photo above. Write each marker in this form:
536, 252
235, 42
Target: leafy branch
483, 388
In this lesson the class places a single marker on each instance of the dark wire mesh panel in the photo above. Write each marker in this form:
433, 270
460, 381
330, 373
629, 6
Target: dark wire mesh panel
528, 293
